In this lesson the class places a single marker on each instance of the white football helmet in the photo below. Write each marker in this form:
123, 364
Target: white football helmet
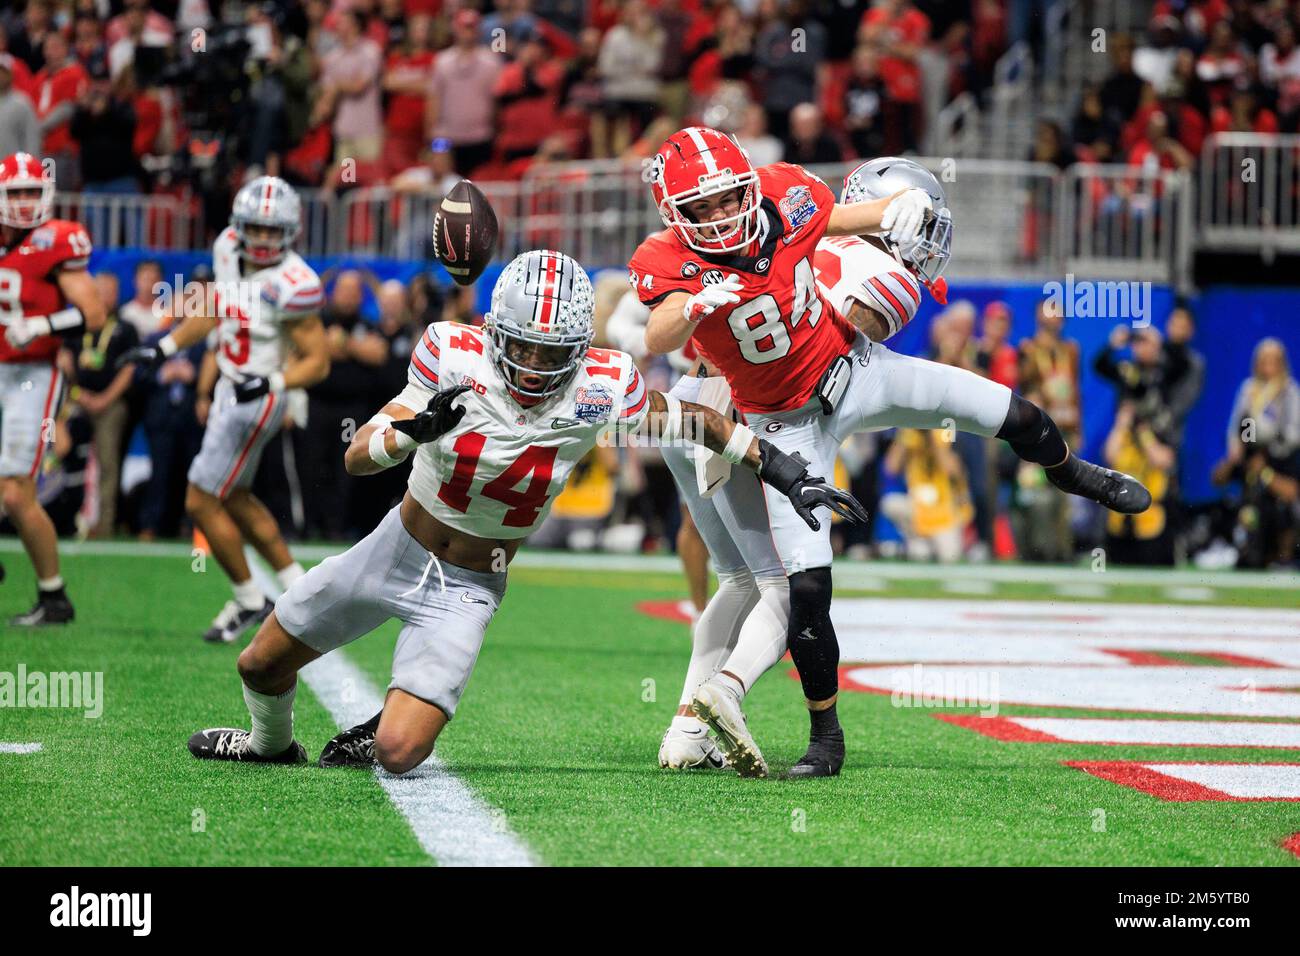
540, 325
883, 177
266, 201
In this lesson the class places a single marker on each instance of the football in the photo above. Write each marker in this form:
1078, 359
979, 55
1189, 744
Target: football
465, 232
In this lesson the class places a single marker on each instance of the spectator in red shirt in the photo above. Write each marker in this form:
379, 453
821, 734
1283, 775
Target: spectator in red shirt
58, 85
1243, 115
528, 98
20, 73
996, 357
406, 82
1157, 148
898, 32
1222, 63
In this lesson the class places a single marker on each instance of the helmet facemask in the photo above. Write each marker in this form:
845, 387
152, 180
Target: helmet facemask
534, 365
725, 234
259, 243
929, 253
26, 206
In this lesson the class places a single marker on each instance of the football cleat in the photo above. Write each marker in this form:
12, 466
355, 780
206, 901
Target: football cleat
720, 709
690, 748
1112, 489
824, 758
234, 620
49, 609
354, 747
229, 743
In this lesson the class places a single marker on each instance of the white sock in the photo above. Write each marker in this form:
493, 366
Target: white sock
50, 584
289, 574
717, 628
763, 637
727, 682
249, 595
272, 720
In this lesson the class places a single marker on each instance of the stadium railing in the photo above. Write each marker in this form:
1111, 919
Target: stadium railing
134, 221
1250, 192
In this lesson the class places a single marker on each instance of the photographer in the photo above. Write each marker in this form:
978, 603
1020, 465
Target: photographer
1133, 447
280, 73
1264, 455
1146, 377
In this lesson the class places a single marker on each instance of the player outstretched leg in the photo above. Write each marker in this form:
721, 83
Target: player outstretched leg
269, 669
41, 543
249, 605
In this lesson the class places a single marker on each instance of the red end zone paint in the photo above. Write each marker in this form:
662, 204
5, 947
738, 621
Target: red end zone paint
664, 610
1138, 776
1000, 728
1292, 844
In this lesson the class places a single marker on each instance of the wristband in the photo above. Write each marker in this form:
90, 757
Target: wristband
738, 444
378, 453
672, 422
65, 320
37, 325
276, 380
167, 346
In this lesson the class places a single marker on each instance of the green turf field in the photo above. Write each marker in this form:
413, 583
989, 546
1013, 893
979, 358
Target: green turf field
559, 731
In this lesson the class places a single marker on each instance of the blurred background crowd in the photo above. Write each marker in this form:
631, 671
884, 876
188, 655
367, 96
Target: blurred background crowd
134, 96
126, 438
188, 98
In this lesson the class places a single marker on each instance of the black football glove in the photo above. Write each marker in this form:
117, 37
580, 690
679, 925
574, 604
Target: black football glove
148, 356
252, 388
439, 416
788, 474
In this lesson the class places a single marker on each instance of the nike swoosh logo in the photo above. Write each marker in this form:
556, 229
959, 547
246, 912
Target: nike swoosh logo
564, 422
449, 252
466, 599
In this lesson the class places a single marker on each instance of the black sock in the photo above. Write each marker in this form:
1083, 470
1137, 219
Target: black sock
56, 594
813, 645
825, 723
1032, 434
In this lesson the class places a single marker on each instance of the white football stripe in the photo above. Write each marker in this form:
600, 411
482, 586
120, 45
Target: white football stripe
451, 822
1208, 733
19, 748
1243, 780
710, 166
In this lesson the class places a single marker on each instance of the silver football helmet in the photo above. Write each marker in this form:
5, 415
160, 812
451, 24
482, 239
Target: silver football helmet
883, 177
540, 325
270, 203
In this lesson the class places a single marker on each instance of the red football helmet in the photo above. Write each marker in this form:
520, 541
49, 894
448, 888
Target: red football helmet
22, 172
697, 162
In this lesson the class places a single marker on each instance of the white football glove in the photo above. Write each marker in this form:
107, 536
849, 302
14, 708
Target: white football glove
711, 296
905, 216
21, 331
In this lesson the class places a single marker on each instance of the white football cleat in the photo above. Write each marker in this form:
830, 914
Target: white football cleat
720, 709
689, 747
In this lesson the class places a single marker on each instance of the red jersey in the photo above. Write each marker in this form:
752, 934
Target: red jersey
29, 281
774, 346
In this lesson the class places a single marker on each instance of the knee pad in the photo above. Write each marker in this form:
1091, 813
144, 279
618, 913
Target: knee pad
1032, 434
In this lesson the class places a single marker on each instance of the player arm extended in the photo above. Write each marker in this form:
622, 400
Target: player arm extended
310, 362
359, 460
669, 418
84, 311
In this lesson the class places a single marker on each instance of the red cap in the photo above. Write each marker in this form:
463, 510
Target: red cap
997, 307
467, 18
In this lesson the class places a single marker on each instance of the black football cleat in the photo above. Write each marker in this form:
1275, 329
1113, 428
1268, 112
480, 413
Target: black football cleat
354, 747
1112, 489
228, 743
824, 758
49, 609
234, 620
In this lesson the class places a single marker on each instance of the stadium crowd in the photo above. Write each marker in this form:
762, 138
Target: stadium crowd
125, 440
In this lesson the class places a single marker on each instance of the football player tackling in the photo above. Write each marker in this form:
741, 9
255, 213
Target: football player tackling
265, 304
734, 272
535, 400
45, 292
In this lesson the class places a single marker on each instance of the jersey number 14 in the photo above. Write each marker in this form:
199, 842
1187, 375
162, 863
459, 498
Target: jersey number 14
535, 463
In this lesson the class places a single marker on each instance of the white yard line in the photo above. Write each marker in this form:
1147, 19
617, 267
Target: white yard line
19, 748
453, 825
847, 573
451, 822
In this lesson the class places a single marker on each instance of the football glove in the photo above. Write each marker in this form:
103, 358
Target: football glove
788, 474
149, 356
905, 216
439, 416
252, 388
711, 297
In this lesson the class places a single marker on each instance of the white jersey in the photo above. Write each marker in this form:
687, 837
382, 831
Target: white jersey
254, 309
496, 474
850, 269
